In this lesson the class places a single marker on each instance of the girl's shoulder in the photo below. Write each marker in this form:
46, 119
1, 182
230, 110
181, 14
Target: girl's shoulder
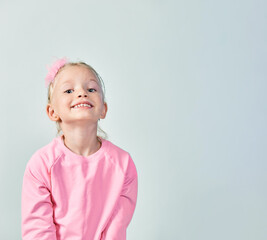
45, 156
40, 164
119, 155
116, 151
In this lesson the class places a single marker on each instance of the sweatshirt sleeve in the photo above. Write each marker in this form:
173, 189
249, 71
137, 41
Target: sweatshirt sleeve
36, 206
124, 210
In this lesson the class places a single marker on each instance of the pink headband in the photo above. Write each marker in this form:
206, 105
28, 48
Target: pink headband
53, 70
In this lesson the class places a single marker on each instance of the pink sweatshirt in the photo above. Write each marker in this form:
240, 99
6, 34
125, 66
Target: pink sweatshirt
66, 196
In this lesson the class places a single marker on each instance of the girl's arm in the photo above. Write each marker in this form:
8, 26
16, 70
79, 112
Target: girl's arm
117, 225
36, 207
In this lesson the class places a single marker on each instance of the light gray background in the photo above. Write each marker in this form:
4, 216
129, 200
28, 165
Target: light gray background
186, 90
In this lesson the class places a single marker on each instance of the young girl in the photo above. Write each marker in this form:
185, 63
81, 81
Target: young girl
80, 185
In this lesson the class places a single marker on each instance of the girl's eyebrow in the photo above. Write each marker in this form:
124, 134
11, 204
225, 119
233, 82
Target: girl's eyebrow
93, 80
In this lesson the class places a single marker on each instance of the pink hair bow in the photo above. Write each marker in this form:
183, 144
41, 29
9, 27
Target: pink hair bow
53, 70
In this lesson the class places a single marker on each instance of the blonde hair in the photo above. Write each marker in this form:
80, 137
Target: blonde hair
100, 133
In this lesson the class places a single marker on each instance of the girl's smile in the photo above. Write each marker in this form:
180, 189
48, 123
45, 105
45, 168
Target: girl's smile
83, 104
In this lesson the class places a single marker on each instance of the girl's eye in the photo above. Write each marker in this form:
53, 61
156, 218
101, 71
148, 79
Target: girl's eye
91, 89
68, 91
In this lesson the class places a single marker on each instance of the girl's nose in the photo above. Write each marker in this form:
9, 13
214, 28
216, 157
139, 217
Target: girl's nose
82, 93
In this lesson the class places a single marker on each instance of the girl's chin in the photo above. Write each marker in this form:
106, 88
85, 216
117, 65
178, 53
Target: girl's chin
80, 121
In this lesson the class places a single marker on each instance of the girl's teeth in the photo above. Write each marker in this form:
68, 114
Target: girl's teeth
83, 105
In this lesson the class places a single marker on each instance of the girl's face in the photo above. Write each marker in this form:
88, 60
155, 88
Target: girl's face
75, 85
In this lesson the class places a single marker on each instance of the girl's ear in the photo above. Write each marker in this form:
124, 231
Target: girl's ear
51, 112
103, 115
